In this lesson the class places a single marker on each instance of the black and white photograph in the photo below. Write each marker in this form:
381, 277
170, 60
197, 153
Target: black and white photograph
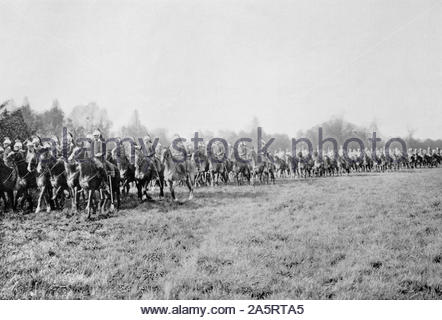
219, 159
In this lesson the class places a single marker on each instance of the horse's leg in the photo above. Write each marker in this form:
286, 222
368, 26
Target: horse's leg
23, 194
118, 195
146, 188
24, 199
74, 208
106, 199
40, 198
253, 175
63, 196
226, 176
3, 197
12, 200
161, 180
30, 202
140, 190
48, 200
55, 194
18, 194
103, 200
123, 187
88, 206
237, 177
249, 176
95, 203
172, 192
189, 185
197, 176
205, 178
77, 193
212, 178
54, 199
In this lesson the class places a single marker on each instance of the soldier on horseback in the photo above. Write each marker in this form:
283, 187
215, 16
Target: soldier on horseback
18, 148
147, 140
7, 148
70, 144
176, 152
99, 155
264, 156
243, 151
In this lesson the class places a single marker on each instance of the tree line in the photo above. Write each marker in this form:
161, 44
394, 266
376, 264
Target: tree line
21, 121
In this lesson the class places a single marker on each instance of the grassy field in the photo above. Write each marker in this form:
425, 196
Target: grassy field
358, 237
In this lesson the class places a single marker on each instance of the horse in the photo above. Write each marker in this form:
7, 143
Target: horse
148, 169
90, 180
281, 166
44, 163
262, 168
73, 182
318, 165
228, 163
26, 179
299, 164
217, 165
8, 179
330, 165
113, 182
59, 182
242, 168
292, 165
127, 173
367, 163
178, 170
343, 165
202, 165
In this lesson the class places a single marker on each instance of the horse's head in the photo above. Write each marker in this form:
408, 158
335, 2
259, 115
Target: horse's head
12, 158
123, 164
87, 168
70, 166
32, 162
142, 164
166, 155
45, 160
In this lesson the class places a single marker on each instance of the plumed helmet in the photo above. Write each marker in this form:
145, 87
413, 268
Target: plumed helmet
18, 145
55, 139
147, 138
46, 144
36, 141
7, 141
97, 133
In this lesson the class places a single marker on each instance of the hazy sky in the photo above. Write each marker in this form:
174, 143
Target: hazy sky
190, 65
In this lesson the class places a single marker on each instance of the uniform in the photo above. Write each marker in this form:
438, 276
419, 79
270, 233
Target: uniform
99, 154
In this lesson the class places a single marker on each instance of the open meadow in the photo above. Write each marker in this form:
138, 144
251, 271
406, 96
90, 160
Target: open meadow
364, 236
